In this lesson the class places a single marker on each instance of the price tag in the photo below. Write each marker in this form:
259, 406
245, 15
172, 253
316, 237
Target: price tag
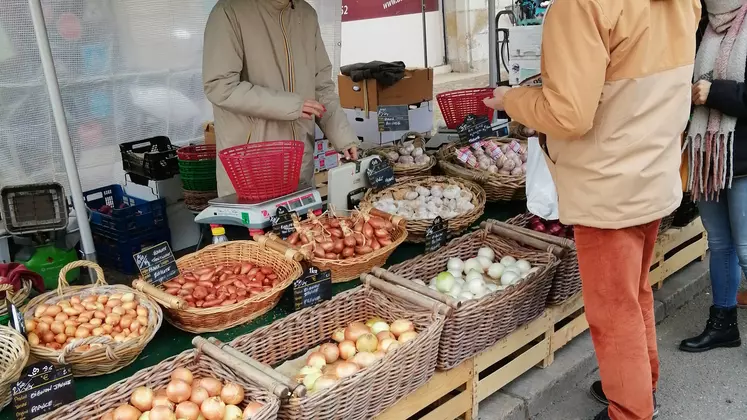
282, 222
313, 287
16, 318
436, 234
474, 129
393, 118
42, 388
380, 174
157, 264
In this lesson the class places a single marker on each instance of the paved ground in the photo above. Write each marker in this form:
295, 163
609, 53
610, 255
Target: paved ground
706, 386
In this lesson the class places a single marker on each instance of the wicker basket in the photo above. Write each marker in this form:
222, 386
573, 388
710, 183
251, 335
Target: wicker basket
14, 353
477, 324
18, 298
497, 187
96, 405
198, 200
416, 228
401, 170
398, 374
111, 356
567, 281
219, 318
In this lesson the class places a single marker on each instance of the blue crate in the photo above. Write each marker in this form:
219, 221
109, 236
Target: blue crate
116, 251
139, 215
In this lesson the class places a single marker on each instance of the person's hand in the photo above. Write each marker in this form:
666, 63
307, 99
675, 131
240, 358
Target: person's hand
351, 153
496, 102
701, 89
312, 109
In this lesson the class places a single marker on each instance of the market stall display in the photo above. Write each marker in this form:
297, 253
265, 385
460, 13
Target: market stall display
97, 329
205, 277
419, 200
189, 386
480, 320
360, 393
14, 353
407, 157
497, 165
351, 244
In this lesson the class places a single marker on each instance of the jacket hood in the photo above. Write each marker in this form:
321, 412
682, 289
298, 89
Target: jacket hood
280, 4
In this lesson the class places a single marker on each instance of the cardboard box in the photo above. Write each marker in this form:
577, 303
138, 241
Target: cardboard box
326, 161
526, 41
367, 129
322, 146
521, 69
209, 133
416, 87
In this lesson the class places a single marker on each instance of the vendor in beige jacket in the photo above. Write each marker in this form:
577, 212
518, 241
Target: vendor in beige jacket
268, 75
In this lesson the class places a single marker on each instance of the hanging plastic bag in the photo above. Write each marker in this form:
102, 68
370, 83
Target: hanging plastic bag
542, 198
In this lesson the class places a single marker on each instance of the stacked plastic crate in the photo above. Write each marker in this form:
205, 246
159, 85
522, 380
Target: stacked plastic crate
197, 169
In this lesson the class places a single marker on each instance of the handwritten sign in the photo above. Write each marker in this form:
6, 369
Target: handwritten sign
42, 388
475, 129
313, 287
393, 118
380, 174
16, 318
157, 264
282, 222
436, 234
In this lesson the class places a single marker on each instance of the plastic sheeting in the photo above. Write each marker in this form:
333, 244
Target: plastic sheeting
128, 70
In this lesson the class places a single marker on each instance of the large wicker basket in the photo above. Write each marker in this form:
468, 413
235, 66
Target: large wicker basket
416, 228
398, 374
567, 281
219, 318
18, 298
14, 353
108, 355
96, 405
497, 187
401, 170
477, 324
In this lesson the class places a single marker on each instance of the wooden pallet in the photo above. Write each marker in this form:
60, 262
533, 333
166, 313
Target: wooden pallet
677, 248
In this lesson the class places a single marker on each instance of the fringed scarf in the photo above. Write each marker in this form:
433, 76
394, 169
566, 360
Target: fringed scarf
710, 138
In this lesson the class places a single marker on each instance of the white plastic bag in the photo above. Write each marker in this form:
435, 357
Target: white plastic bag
542, 198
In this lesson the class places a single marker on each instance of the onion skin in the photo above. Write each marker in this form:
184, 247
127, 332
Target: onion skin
347, 349
355, 330
212, 386
401, 326
213, 408
182, 374
161, 413
199, 394
178, 391
330, 351
345, 369
407, 336
126, 412
232, 413
367, 343
251, 409
187, 410
232, 394
316, 359
142, 398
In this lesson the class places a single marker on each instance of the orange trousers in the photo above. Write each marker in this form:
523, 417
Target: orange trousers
619, 304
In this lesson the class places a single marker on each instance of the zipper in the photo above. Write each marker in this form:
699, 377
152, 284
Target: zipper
288, 62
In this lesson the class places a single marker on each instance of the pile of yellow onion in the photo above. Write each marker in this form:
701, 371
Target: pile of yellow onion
355, 348
187, 398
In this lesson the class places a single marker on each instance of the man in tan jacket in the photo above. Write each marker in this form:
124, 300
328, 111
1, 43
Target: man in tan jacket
268, 75
614, 102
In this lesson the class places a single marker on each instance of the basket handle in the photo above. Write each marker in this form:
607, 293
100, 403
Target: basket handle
110, 355
396, 220
8, 289
62, 278
165, 299
390, 277
245, 366
555, 240
404, 293
278, 245
504, 229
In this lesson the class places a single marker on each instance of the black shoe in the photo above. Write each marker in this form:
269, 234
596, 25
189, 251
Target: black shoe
603, 415
721, 331
598, 393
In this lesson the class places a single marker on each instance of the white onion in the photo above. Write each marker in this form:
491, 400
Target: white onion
487, 253
496, 270
476, 286
455, 264
456, 274
473, 275
508, 260
484, 262
509, 278
444, 282
466, 296
492, 287
524, 266
472, 264
455, 291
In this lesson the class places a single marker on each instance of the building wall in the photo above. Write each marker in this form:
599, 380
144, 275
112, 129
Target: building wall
467, 33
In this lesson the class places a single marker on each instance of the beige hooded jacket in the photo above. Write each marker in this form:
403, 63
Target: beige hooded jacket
262, 59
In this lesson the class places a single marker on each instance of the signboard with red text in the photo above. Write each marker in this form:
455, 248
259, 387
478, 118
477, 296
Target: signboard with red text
353, 10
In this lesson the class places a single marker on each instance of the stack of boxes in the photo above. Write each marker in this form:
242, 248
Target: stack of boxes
525, 44
325, 156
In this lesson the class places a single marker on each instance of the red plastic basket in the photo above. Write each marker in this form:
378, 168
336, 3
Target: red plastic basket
265, 170
457, 104
198, 152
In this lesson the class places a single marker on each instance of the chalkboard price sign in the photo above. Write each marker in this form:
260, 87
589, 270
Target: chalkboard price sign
474, 129
394, 118
42, 388
313, 287
282, 222
436, 234
16, 318
157, 264
380, 174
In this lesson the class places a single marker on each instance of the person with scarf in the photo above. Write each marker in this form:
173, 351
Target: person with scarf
614, 102
717, 150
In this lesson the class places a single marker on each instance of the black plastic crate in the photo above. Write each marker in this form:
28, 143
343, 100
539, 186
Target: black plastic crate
117, 251
154, 158
128, 214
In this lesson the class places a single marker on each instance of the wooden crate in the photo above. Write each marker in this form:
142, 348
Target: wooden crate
677, 248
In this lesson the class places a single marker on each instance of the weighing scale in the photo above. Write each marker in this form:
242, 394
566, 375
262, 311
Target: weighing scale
347, 183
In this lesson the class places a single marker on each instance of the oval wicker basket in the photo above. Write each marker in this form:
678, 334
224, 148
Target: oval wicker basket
219, 318
14, 353
497, 187
18, 298
96, 405
401, 170
109, 355
416, 227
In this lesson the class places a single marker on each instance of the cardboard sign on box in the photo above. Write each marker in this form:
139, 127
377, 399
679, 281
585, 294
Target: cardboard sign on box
416, 87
